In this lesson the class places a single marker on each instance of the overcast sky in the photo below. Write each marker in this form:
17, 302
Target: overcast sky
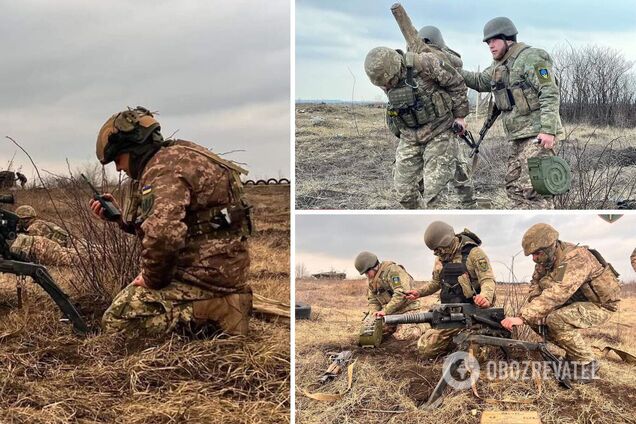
333, 36
333, 241
217, 71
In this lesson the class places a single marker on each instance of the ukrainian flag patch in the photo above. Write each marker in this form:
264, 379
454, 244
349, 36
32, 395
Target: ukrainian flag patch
146, 190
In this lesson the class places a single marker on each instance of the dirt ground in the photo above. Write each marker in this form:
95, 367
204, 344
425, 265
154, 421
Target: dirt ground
48, 375
391, 383
345, 157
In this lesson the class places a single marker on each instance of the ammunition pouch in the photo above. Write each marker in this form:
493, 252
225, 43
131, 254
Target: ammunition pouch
550, 175
230, 313
414, 110
370, 332
525, 98
220, 222
452, 290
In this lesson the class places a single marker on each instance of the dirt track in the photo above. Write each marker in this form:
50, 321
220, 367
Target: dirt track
345, 157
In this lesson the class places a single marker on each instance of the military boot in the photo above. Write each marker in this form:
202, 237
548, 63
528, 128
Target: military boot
583, 373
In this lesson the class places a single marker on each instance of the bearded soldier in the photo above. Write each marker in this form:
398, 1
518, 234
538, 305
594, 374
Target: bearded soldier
426, 96
525, 91
572, 288
388, 283
186, 205
462, 274
31, 225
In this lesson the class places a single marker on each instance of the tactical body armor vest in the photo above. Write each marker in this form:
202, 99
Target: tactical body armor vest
512, 89
416, 101
233, 219
602, 288
451, 290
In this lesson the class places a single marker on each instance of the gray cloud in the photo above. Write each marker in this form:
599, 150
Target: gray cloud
218, 71
329, 241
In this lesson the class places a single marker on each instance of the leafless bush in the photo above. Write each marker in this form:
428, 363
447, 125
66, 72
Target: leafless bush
106, 258
596, 85
602, 174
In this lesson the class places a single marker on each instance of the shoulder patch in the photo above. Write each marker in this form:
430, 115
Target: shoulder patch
543, 73
396, 281
483, 265
559, 272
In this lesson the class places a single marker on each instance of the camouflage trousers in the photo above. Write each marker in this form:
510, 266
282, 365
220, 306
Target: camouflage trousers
518, 185
141, 311
403, 332
439, 163
41, 250
563, 325
435, 342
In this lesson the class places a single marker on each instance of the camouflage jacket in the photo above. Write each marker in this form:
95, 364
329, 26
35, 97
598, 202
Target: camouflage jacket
533, 87
442, 88
481, 278
176, 184
576, 276
50, 231
386, 290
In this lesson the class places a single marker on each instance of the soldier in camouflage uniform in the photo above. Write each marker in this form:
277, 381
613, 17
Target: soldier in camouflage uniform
388, 283
572, 288
41, 241
525, 90
432, 36
462, 274
185, 204
426, 96
42, 250
31, 225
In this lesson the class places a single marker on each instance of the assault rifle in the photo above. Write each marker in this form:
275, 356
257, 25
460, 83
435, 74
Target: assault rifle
339, 362
467, 136
10, 265
486, 330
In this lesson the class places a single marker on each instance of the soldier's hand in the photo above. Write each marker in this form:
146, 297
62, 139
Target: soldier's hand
481, 301
97, 209
459, 123
379, 314
412, 294
546, 140
139, 281
510, 322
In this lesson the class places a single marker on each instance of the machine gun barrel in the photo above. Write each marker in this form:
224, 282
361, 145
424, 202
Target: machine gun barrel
412, 318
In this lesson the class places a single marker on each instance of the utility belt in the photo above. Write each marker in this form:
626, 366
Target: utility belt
521, 94
220, 222
414, 110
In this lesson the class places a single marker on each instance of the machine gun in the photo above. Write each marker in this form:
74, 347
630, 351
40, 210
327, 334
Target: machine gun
10, 265
486, 330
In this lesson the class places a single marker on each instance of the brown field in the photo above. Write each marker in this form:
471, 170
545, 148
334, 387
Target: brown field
345, 157
48, 375
390, 383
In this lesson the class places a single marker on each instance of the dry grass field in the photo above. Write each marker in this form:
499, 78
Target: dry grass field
345, 157
48, 375
390, 383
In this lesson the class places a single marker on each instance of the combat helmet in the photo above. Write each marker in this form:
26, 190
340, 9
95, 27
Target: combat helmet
26, 212
500, 26
432, 34
539, 236
382, 64
125, 132
438, 234
365, 261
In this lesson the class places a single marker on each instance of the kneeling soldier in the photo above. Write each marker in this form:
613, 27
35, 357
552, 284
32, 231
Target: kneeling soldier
572, 288
462, 274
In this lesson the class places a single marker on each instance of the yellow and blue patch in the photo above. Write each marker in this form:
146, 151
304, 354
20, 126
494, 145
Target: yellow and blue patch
543, 73
146, 190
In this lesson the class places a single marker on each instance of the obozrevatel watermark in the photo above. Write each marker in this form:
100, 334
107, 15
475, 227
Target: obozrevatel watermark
461, 369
